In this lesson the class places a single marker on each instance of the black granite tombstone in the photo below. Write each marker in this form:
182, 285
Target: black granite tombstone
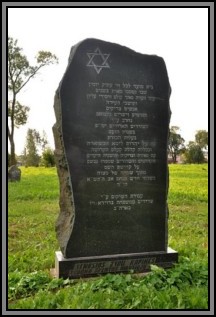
111, 133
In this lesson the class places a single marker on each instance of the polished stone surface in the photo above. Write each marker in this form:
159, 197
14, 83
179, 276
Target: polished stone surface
112, 109
92, 266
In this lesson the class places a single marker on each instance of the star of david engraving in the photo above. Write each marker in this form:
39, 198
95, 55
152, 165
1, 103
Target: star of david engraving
98, 60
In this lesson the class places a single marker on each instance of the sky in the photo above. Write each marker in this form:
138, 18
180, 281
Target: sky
179, 35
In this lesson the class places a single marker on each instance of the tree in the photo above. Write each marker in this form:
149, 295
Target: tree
19, 74
194, 153
175, 143
8, 159
43, 141
31, 156
201, 138
48, 159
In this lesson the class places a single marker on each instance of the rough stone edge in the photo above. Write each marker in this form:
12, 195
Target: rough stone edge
168, 178
65, 220
168, 183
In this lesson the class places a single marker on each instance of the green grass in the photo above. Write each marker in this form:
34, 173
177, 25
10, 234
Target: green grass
33, 209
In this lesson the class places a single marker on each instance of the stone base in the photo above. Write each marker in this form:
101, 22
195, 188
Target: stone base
98, 265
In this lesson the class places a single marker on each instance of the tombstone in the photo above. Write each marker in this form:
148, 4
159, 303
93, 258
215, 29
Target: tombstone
14, 174
111, 133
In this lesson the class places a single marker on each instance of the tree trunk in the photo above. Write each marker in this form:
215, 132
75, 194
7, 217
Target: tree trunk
174, 158
11, 132
13, 156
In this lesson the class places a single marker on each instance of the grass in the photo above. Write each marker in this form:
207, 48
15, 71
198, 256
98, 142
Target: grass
33, 209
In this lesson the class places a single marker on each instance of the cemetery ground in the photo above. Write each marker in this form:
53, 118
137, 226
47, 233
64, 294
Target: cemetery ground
33, 210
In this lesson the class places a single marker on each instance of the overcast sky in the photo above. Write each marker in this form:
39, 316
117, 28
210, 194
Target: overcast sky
179, 35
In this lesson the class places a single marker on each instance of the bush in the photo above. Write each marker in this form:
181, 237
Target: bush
194, 154
48, 158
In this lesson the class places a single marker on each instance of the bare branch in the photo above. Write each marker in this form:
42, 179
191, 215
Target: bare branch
29, 78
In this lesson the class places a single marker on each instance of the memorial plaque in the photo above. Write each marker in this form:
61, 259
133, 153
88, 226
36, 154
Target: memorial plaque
111, 133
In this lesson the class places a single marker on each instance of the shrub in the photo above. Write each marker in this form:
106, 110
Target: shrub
48, 158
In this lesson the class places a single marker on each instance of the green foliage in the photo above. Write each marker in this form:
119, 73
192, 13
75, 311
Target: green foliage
35, 143
20, 285
31, 156
186, 273
201, 138
19, 74
20, 113
18, 66
33, 209
194, 154
46, 58
19, 69
183, 287
48, 158
43, 141
175, 143
23, 285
